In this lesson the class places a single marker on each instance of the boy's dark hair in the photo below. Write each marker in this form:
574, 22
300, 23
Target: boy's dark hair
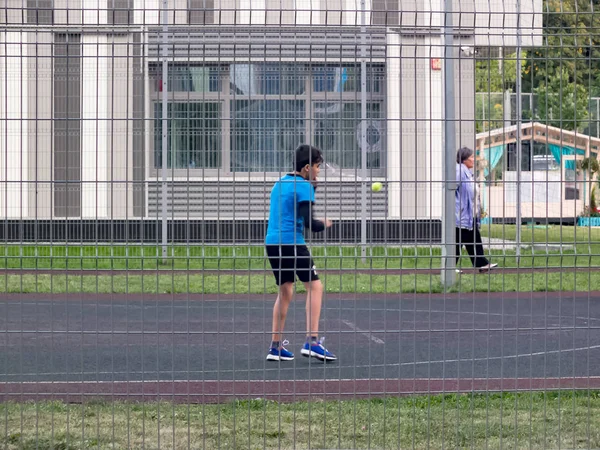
307, 154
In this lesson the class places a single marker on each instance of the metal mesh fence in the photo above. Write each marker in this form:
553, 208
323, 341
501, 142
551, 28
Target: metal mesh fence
171, 261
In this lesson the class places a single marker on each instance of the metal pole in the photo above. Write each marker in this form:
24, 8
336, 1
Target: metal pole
507, 109
518, 143
165, 111
448, 274
363, 131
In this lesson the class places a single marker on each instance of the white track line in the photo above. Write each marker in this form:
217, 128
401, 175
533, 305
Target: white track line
489, 358
367, 334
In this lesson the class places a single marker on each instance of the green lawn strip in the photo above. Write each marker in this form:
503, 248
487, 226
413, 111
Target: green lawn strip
155, 283
584, 252
523, 421
552, 234
252, 258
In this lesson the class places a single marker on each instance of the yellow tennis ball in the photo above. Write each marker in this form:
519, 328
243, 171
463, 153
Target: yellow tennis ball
376, 187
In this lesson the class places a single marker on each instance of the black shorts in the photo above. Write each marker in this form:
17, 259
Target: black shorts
289, 261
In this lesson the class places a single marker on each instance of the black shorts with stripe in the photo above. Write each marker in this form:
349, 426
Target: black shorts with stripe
291, 261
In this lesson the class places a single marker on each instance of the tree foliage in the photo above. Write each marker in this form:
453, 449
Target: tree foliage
564, 72
570, 46
493, 75
562, 103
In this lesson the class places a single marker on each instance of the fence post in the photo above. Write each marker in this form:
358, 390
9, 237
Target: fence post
363, 132
518, 143
448, 274
165, 130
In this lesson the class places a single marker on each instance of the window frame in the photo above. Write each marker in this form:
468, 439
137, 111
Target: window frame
225, 97
33, 12
208, 12
385, 13
112, 11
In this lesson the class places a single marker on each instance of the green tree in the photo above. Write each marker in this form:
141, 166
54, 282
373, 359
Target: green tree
571, 43
561, 102
493, 78
563, 71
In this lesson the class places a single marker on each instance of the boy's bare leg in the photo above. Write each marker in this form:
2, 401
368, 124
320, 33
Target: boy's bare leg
286, 292
314, 298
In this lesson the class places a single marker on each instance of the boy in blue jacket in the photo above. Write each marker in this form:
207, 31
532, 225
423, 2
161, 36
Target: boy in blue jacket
291, 211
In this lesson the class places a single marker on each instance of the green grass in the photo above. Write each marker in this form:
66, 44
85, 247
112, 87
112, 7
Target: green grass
521, 421
552, 234
153, 283
585, 253
250, 262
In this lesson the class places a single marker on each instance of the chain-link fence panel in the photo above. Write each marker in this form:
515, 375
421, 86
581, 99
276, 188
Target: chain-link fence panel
195, 193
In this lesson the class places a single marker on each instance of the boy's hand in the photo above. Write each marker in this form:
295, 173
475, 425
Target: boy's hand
327, 223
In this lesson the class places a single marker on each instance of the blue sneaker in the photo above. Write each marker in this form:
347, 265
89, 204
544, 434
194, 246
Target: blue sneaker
280, 354
318, 351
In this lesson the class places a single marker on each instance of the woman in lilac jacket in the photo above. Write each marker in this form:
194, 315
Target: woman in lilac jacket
468, 212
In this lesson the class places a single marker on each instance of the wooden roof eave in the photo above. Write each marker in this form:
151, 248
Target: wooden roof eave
538, 133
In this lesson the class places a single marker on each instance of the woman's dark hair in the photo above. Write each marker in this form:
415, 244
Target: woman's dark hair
463, 154
307, 154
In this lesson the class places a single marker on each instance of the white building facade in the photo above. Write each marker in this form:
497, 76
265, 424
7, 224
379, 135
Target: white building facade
81, 88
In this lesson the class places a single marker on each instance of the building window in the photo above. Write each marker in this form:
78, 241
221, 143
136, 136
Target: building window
267, 79
332, 78
120, 12
201, 12
255, 115
194, 135
264, 133
194, 79
385, 12
40, 12
338, 132
67, 135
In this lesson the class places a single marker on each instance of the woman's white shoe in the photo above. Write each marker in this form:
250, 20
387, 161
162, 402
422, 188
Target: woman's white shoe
487, 268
